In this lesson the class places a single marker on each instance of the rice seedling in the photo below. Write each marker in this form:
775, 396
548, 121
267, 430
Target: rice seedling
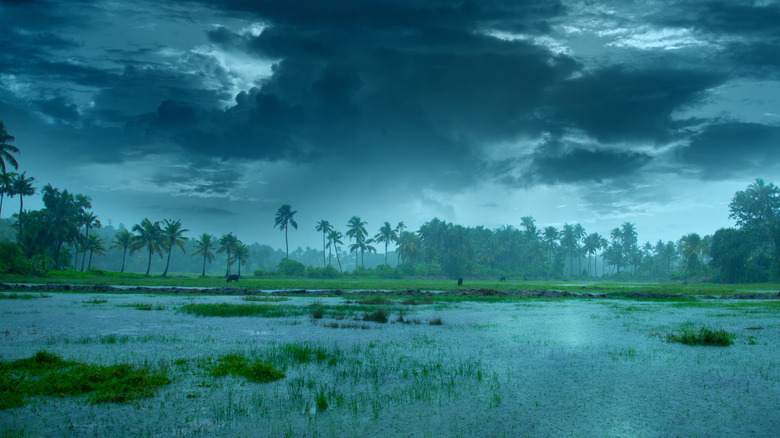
228, 309
379, 315
703, 336
46, 374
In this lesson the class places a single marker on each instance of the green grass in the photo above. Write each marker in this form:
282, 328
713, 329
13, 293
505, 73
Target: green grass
17, 296
46, 374
143, 306
241, 366
263, 299
315, 310
703, 336
379, 315
95, 301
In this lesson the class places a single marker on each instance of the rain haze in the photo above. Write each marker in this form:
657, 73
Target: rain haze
473, 112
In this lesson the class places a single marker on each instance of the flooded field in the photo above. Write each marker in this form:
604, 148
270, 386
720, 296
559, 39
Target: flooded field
573, 367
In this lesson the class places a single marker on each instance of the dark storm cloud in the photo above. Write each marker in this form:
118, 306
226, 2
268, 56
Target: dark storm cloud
60, 108
623, 104
733, 148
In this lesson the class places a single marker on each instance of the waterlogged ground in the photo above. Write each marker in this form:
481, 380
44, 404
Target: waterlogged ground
530, 368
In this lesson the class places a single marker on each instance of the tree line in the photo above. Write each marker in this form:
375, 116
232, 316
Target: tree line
62, 235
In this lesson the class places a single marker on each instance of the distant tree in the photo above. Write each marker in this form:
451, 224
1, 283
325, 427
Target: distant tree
123, 240
592, 244
23, 187
579, 234
6, 149
408, 247
59, 222
173, 235
94, 245
242, 255
691, 247
284, 218
551, 241
227, 244
568, 240
757, 210
149, 235
356, 229
324, 227
386, 234
629, 242
731, 250
334, 239
88, 219
204, 245
399, 229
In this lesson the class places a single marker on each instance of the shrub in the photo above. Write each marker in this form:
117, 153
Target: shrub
291, 268
376, 316
703, 336
326, 272
12, 260
387, 271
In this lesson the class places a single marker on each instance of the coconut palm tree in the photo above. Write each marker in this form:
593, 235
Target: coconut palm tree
173, 235
242, 255
6, 149
203, 245
408, 246
89, 219
579, 234
324, 227
6, 181
149, 235
399, 229
386, 234
94, 244
551, 240
334, 239
123, 240
228, 243
23, 187
356, 229
284, 218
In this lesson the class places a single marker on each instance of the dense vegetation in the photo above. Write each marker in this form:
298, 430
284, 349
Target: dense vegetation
67, 234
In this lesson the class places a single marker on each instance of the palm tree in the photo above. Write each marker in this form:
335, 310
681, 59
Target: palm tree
94, 245
324, 227
408, 246
242, 255
6, 181
579, 234
89, 219
334, 239
356, 229
204, 244
591, 244
628, 237
228, 243
149, 235
62, 213
173, 235
6, 149
123, 240
284, 217
386, 234
23, 187
399, 230
551, 236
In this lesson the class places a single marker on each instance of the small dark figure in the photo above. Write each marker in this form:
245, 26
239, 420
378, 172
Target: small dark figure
460, 282
525, 278
232, 277
503, 278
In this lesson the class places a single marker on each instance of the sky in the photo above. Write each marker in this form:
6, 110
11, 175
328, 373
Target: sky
474, 112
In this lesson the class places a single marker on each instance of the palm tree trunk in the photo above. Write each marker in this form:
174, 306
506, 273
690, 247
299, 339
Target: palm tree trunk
21, 207
286, 244
2, 196
90, 260
204, 264
324, 263
124, 255
227, 271
338, 259
385, 251
168, 263
149, 266
86, 229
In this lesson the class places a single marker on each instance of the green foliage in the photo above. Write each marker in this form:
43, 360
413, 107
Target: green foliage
291, 268
12, 259
387, 271
703, 336
240, 366
227, 310
326, 272
16, 296
379, 315
303, 352
46, 374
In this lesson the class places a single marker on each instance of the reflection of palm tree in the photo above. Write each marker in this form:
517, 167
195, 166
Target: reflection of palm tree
149, 235
6, 149
123, 240
173, 236
334, 239
23, 187
386, 234
324, 227
284, 217
204, 244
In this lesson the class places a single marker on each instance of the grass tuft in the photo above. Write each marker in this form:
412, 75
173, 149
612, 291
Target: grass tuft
254, 371
16, 296
379, 315
263, 299
227, 310
703, 336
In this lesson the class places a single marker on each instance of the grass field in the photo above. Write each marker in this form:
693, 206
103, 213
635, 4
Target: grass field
375, 284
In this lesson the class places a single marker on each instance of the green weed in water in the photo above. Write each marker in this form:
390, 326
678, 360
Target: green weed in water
254, 371
15, 296
703, 336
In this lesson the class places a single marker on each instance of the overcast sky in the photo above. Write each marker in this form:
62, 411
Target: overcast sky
475, 112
